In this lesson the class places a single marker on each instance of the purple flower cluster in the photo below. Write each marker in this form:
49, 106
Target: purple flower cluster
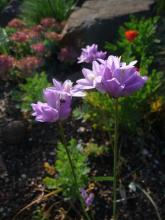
58, 102
109, 76
113, 77
90, 54
87, 197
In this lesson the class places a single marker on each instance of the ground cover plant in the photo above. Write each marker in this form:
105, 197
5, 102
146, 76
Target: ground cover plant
25, 49
30, 91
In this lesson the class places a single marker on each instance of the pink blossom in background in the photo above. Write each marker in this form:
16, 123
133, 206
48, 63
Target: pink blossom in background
39, 48
50, 23
20, 37
6, 64
37, 28
67, 54
29, 64
53, 36
16, 23
32, 34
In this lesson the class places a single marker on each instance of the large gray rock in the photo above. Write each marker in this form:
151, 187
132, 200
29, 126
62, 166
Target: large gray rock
97, 20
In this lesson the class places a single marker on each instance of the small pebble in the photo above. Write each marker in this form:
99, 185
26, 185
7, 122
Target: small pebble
23, 176
81, 130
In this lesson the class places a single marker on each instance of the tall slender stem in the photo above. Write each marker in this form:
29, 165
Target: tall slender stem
115, 164
72, 170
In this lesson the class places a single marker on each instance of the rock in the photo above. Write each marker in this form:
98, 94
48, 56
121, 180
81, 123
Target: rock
14, 132
2, 108
10, 12
97, 20
23, 176
81, 130
3, 168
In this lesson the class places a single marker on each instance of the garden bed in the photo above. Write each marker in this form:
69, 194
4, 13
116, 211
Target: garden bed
29, 149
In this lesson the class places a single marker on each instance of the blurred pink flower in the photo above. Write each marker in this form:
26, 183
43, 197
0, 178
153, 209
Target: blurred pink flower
39, 48
38, 28
53, 36
48, 22
16, 23
6, 64
29, 64
20, 37
32, 34
67, 54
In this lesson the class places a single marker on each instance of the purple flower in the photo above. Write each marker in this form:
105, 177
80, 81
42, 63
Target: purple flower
120, 79
58, 102
87, 197
54, 109
44, 113
92, 77
113, 76
67, 89
90, 54
83, 193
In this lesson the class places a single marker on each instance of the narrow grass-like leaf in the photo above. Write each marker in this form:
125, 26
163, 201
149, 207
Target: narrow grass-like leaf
150, 199
102, 178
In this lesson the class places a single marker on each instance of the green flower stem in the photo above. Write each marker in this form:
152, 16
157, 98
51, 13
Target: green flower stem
73, 170
115, 164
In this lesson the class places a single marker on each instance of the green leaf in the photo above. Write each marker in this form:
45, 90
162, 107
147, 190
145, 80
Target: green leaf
51, 183
65, 179
31, 91
102, 178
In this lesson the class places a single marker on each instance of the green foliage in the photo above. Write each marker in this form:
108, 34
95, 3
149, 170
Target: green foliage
39, 214
92, 149
33, 11
160, 7
142, 48
31, 91
8, 47
65, 179
99, 108
4, 41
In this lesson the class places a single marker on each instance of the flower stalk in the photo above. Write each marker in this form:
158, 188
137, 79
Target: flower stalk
72, 170
115, 164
